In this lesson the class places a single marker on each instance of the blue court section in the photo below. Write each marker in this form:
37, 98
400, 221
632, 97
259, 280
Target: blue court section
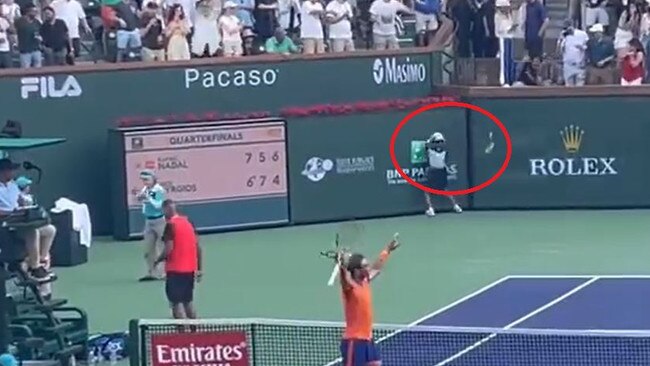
597, 305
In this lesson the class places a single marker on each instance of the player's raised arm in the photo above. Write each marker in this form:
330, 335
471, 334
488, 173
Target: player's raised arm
376, 267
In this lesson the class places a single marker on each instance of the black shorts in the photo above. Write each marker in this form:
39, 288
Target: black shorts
179, 287
437, 178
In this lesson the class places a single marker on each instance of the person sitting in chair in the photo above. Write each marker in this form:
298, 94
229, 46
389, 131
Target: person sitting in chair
37, 241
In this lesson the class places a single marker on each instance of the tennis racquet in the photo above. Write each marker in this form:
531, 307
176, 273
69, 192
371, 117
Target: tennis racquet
348, 238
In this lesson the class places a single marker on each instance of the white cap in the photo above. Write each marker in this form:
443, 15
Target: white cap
437, 137
502, 3
229, 5
597, 28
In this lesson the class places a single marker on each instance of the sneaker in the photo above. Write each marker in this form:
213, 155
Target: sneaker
147, 278
430, 212
457, 209
40, 274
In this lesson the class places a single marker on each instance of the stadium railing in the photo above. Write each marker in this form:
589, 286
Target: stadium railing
271, 342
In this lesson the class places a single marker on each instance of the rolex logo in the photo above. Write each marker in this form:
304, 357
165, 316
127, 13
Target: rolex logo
572, 138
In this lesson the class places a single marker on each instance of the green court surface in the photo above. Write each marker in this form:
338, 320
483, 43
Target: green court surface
277, 273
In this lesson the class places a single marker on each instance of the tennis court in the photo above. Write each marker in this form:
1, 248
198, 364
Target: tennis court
533, 320
277, 273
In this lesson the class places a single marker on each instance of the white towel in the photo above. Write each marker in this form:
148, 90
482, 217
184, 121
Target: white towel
80, 218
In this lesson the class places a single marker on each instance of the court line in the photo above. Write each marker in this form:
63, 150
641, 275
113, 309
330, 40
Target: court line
436, 312
580, 276
533, 313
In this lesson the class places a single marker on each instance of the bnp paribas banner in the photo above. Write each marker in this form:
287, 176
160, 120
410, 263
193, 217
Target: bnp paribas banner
577, 152
340, 167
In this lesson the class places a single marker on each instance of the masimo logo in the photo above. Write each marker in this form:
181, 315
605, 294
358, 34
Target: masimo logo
49, 87
199, 349
390, 70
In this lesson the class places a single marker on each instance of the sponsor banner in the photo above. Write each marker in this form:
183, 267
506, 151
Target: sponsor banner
199, 349
81, 107
574, 154
340, 167
208, 165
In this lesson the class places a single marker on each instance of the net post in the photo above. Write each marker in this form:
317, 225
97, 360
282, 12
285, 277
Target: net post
253, 344
135, 346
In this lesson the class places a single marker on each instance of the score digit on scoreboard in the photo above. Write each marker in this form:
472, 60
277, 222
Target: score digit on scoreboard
221, 175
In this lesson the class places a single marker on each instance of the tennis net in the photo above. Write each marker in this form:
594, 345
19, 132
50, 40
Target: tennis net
271, 342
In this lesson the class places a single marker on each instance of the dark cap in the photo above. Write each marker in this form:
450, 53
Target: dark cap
7, 164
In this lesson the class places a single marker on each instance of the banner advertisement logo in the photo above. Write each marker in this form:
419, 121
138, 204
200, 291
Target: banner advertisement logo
390, 70
208, 79
316, 168
199, 349
572, 139
49, 87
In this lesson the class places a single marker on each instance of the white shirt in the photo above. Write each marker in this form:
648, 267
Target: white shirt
11, 12
284, 13
70, 11
437, 159
4, 39
503, 23
574, 47
9, 193
230, 27
385, 13
311, 26
342, 29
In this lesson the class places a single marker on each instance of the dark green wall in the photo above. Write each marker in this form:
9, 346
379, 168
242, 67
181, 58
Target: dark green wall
79, 170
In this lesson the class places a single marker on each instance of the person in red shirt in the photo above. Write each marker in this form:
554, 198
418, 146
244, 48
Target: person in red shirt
357, 346
182, 257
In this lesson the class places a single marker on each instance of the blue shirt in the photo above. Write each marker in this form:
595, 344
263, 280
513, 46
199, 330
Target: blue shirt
9, 193
598, 50
246, 16
535, 17
152, 204
427, 6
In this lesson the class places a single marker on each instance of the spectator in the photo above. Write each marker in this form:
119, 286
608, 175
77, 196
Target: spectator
505, 26
266, 18
426, 20
339, 16
29, 39
245, 10
632, 67
530, 73
128, 33
463, 13
311, 28
37, 241
151, 31
383, 14
280, 43
72, 13
189, 9
491, 46
479, 28
56, 39
628, 25
5, 45
644, 28
595, 13
176, 32
573, 45
231, 28
251, 44
206, 36
600, 57
9, 10
535, 24
288, 11
25, 186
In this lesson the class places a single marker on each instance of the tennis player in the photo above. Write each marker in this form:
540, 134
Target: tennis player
152, 196
437, 171
358, 347
182, 257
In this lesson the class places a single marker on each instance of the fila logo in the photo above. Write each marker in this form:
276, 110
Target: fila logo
48, 87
